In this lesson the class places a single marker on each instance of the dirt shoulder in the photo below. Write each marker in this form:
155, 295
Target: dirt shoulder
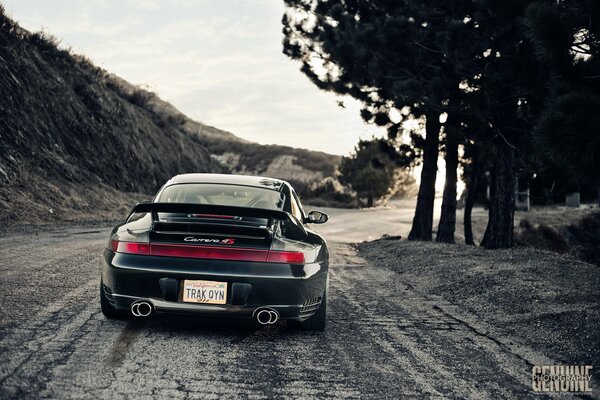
543, 300
556, 217
63, 204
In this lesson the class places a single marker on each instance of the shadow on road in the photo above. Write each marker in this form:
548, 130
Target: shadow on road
203, 326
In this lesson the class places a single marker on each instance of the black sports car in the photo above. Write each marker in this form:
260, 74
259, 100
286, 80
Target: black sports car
219, 245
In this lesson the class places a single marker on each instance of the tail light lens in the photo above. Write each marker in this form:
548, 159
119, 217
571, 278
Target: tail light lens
209, 252
286, 257
131, 247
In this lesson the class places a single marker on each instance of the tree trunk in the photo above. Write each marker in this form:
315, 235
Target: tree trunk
423, 219
370, 201
499, 231
470, 200
447, 223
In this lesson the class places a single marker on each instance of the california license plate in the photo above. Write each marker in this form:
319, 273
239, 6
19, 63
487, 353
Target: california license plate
206, 292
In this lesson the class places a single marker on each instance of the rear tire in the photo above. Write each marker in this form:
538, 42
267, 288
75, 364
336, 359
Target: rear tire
107, 309
318, 321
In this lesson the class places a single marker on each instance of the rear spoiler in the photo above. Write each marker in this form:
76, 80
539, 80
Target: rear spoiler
188, 208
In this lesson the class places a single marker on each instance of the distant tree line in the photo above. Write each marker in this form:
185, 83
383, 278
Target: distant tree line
515, 83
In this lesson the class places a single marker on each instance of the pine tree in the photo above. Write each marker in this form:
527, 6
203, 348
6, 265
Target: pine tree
387, 54
408, 54
447, 223
566, 39
497, 63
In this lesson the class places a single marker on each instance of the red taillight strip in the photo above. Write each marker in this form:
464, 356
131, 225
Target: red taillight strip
209, 252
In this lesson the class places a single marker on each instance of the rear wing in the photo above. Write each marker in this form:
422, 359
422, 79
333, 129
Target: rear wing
211, 209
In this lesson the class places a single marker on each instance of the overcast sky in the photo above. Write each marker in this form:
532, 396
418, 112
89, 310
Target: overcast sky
220, 62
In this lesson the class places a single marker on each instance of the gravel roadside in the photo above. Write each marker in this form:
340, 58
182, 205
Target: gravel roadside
536, 298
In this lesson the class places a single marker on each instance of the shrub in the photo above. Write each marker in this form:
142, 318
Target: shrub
540, 236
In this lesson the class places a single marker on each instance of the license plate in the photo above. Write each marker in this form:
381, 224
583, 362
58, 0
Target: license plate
206, 292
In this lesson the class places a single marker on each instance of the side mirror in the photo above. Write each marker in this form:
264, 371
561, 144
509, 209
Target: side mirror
317, 217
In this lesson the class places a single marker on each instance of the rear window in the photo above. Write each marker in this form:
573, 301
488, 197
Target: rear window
223, 195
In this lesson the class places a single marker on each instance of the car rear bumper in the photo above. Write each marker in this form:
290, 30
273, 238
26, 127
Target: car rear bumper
290, 289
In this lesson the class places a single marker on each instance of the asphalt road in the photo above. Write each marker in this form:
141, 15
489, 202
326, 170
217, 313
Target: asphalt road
384, 339
356, 225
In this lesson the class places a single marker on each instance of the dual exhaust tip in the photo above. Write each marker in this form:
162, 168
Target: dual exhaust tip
141, 309
266, 316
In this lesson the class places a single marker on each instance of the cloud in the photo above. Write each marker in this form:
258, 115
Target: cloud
149, 5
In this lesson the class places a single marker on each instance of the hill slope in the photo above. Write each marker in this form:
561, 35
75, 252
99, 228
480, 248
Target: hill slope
81, 144
237, 154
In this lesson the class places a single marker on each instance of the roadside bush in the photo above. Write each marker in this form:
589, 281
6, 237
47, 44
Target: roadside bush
584, 235
540, 236
581, 238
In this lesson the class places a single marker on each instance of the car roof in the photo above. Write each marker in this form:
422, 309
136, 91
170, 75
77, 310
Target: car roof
245, 180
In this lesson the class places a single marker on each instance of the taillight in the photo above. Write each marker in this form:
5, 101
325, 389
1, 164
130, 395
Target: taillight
209, 252
131, 247
287, 257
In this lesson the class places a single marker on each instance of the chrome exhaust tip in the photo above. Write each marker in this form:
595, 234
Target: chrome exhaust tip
141, 309
267, 316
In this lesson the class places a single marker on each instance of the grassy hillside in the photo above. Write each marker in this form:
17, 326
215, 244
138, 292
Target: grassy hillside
81, 144
237, 154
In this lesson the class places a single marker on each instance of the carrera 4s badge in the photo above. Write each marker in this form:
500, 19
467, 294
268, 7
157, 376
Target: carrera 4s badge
206, 240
